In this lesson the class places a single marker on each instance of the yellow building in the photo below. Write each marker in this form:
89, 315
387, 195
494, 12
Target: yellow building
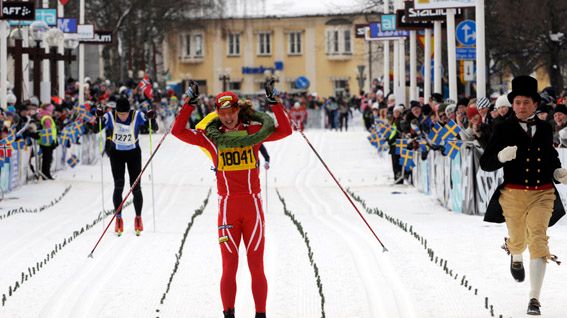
239, 53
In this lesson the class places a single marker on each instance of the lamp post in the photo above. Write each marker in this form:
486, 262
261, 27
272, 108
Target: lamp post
54, 38
360, 77
37, 33
224, 77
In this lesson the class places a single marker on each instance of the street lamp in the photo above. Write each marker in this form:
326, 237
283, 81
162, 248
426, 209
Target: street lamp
224, 77
54, 39
37, 34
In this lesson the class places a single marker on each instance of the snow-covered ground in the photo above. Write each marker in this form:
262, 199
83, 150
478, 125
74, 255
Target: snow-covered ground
129, 275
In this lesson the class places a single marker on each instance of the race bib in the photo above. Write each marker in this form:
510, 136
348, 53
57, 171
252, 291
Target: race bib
123, 135
234, 159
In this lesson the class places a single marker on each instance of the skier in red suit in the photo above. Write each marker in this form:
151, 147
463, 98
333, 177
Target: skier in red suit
298, 116
238, 185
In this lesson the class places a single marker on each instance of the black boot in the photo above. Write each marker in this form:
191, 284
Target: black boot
260, 315
229, 313
517, 270
533, 307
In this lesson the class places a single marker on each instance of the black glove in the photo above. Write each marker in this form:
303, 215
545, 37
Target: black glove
151, 114
271, 91
192, 93
99, 112
108, 147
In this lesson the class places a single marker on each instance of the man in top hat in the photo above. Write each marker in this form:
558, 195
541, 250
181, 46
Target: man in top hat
527, 200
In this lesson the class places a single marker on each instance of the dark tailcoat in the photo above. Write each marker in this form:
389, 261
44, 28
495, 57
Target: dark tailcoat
536, 160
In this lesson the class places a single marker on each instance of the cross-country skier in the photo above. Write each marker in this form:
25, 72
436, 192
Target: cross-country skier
240, 214
122, 126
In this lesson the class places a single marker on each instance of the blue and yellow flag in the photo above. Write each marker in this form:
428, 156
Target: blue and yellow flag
450, 130
406, 159
73, 161
452, 148
400, 145
46, 136
434, 133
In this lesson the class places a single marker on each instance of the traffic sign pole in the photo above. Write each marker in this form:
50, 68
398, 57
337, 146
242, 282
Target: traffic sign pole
413, 62
480, 57
426, 69
437, 75
451, 54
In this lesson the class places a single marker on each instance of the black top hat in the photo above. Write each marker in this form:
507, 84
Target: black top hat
524, 86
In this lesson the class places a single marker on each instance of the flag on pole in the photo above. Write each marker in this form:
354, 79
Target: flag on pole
434, 134
73, 161
400, 145
450, 130
46, 136
452, 148
406, 159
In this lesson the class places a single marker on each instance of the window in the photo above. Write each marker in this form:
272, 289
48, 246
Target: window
347, 45
192, 46
198, 40
341, 87
339, 40
264, 43
187, 45
234, 44
294, 43
234, 86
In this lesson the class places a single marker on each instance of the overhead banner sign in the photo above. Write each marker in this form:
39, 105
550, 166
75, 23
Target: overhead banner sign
403, 23
100, 37
440, 4
18, 11
375, 33
413, 14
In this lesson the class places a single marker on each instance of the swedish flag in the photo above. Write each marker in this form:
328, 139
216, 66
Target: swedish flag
400, 145
73, 161
434, 134
406, 159
451, 129
46, 137
452, 148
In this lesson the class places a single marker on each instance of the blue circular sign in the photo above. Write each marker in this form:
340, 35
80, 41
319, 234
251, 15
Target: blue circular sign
302, 82
466, 33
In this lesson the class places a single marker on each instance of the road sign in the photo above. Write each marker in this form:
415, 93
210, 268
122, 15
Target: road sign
388, 22
67, 25
100, 37
466, 33
469, 71
376, 34
49, 16
466, 53
413, 14
360, 30
404, 24
302, 82
18, 11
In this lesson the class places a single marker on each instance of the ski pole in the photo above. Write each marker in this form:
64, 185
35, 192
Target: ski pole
344, 192
130, 191
152, 178
101, 167
266, 209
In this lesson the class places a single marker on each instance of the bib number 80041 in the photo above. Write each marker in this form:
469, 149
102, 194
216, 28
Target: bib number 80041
233, 159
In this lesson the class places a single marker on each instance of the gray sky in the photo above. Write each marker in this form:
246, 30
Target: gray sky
294, 7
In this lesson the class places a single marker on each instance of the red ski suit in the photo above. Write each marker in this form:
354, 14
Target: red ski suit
240, 208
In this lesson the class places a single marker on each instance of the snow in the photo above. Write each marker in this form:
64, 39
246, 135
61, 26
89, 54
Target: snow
282, 8
128, 275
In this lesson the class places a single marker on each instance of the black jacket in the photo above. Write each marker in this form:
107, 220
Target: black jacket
536, 160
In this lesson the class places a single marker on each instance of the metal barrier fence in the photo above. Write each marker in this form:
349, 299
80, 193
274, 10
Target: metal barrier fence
459, 184
18, 171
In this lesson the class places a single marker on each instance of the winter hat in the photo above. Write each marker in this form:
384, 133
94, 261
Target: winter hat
524, 86
471, 112
34, 101
375, 105
502, 101
414, 103
544, 109
561, 109
450, 109
482, 102
400, 108
437, 97
226, 100
122, 105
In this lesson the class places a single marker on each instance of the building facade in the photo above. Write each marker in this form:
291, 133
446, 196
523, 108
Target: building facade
314, 54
